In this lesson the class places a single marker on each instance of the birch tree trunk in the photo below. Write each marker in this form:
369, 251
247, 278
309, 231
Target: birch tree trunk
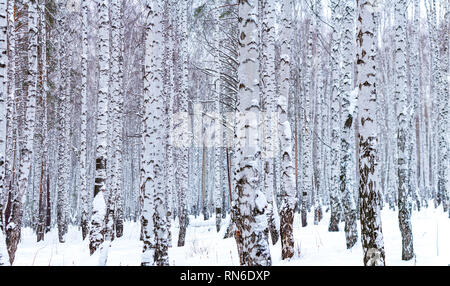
97, 230
84, 93
288, 203
3, 97
169, 90
154, 122
183, 169
307, 167
371, 229
268, 90
13, 229
217, 126
11, 111
443, 125
251, 202
335, 114
63, 123
347, 127
404, 195
44, 89
116, 102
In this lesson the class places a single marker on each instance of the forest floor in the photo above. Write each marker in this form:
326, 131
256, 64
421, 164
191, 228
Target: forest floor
314, 244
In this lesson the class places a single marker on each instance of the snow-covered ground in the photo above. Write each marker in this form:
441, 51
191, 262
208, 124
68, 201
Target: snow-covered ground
314, 245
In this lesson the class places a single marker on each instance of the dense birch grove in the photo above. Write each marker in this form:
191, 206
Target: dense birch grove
250, 113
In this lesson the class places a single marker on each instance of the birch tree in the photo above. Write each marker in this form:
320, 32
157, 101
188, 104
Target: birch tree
154, 126
443, 125
307, 167
3, 97
84, 93
251, 203
268, 90
288, 204
347, 126
371, 229
183, 169
13, 229
335, 130
97, 229
404, 195
115, 105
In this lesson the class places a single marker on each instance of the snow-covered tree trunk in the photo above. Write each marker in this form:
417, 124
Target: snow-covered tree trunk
84, 93
415, 166
154, 132
319, 180
307, 131
13, 229
44, 89
169, 90
116, 102
11, 109
63, 89
268, 90
335, 116
347, 126
404, 196
97, 229
443, 124
288, 202
217, 125
3, 97
3, 104
369, 185
251, 202
183, 160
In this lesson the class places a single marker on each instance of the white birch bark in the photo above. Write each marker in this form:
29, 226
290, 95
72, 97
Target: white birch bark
217, 125
154, 140
183, 169
268, 90
251, 202
13, 229
347, 126
371, 229
97, 229
169, 90
116, 102
3, 99
307, 131
43, 165
84, 93
404, 196
288, 203
443, 124
335, 116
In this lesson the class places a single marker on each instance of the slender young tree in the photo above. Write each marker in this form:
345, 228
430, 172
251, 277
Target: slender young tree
335, 116
307, 131
45, 142
83, 140
371, 229
288, 202
404, 195
347, 126
3, 96
443, 125
268, 90
183, 169
97, 229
